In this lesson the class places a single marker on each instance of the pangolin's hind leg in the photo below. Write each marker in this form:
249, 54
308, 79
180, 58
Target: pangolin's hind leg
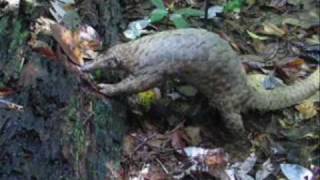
233, 121
230, 117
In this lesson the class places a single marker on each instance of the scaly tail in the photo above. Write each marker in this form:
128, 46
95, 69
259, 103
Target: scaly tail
286, 96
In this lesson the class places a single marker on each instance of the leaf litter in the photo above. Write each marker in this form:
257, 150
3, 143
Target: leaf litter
285, 46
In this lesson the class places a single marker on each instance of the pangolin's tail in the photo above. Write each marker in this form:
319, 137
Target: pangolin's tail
286, 96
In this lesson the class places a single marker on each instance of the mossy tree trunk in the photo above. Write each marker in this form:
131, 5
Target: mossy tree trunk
63, 133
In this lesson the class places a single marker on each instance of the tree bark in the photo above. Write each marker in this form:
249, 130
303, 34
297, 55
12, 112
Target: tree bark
63, 133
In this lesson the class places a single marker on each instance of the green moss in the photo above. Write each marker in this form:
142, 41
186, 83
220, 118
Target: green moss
93, 147
78, 134
19, 36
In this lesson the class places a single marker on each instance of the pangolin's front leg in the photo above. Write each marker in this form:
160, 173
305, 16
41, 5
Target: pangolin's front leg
131, 84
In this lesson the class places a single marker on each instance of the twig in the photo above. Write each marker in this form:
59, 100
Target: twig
178, 126
143, 142
9, 105
162, 166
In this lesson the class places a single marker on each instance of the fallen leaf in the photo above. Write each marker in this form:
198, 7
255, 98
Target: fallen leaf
314, 39
4, 92
307, 109
240, 170
231, 42
304, 20
216, 158
68, 41
278, 4
214, 11
290, 68
271, 29
194, 134
311, 135
42, 48
292, 21
136, 28
255, 36
179, 139
266, 169
212, 161
247, 165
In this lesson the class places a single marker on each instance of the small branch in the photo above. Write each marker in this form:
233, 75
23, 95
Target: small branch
9, 105
144, 141
162, 166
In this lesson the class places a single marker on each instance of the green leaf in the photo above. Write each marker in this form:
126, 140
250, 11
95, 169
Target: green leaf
234, 5
158, 15
159, 4
179, 21
188, 12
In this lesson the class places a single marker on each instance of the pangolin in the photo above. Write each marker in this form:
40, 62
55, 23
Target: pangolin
205, 61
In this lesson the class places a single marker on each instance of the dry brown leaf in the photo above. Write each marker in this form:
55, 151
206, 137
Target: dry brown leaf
42, 48
290, 68
216, 158
69, 41
6, 92
232, 43
179, 139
